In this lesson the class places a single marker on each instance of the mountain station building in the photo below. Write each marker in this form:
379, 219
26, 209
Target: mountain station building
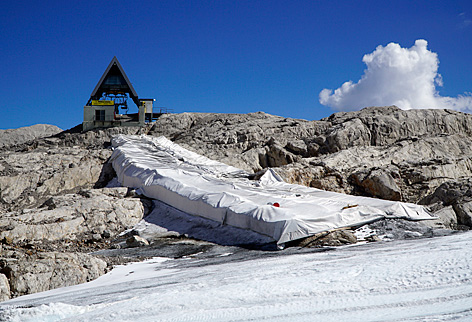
108, 103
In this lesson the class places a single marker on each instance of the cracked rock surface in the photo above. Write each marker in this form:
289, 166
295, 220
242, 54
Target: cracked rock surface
55, 208
381, 152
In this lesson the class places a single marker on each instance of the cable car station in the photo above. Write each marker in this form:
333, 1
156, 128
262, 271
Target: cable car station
108, 103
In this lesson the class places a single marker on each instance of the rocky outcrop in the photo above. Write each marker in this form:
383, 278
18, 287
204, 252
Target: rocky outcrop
21, 135
332, 238
42, 246
28, 178
96, 214
454, 201
446, 218
383, 152
28, 273
378, 183
32, 172
5, 292
54, 207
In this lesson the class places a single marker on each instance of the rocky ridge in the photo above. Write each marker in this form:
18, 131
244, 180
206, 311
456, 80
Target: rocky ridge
56, 208
27, 134
382, 152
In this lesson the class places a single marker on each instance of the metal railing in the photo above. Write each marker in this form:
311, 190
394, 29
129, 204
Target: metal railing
162, 110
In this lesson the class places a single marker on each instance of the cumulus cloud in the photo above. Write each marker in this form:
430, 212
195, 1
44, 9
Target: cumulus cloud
405, 77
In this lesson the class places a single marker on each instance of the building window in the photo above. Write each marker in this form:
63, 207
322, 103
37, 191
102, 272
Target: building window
100, 115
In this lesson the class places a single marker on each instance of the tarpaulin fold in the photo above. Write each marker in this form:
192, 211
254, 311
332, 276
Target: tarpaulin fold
163, 170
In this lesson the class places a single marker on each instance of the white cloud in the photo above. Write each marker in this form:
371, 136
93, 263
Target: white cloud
405, 77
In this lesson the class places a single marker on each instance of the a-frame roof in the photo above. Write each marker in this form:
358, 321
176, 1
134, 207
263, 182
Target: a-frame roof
114, 80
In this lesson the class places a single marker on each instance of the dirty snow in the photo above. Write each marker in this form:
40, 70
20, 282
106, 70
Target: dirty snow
405, 280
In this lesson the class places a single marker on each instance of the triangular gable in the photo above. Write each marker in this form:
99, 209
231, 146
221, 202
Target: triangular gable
114, 80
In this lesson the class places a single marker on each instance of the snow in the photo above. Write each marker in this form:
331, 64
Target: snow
410, 280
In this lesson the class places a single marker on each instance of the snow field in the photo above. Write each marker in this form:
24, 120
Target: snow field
420, 280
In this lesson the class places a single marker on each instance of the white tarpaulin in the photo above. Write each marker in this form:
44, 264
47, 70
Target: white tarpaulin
163, 170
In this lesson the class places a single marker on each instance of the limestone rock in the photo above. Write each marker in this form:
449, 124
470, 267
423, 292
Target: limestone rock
69, 161
347, 134
26, 134
275, 155
464, 213
451, 193
44, 271
378, 151
298, 147
52, 185
73, 215
455, 195
333, 238
136, 241
447, 218
47, 201
4, 288
380, 184
27, 178
388, 125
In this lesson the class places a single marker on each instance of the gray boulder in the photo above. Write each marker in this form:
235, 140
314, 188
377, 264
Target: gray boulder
4, 288
47, 270
456, 196
464, 213
333, 238
136, 241
446, 218
73, 216
378, 183
28, 178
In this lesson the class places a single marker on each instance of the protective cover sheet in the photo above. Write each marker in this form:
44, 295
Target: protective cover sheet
163, 170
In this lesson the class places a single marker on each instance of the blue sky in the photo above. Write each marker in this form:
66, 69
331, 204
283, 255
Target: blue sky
215, 56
